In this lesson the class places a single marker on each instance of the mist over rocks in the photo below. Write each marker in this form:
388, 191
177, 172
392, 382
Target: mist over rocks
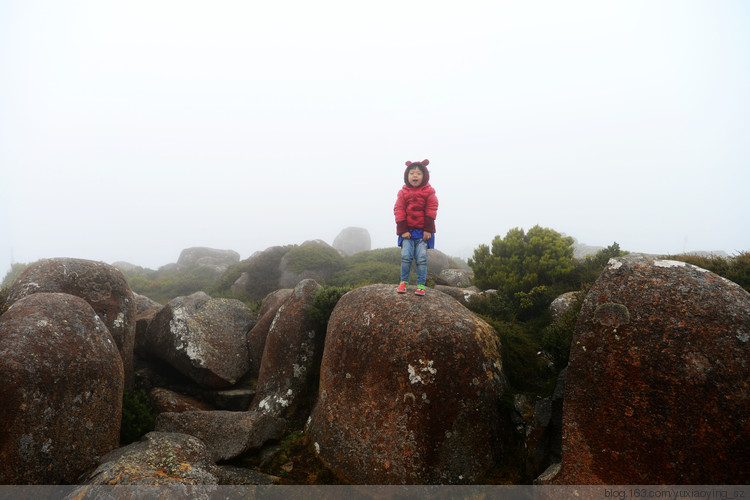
61, 390
104, 288
410, 390
658, 383
203, 338
352, 240
219, 260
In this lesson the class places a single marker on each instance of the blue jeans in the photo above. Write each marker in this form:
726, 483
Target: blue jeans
414, 250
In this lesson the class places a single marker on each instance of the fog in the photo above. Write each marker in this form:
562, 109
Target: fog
130, 130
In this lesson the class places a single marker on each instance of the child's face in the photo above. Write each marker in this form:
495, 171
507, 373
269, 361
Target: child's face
415, 177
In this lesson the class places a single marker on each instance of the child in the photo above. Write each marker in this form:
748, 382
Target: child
415, 211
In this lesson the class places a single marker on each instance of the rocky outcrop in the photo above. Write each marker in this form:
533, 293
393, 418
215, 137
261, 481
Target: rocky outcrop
352, 240
320, 265
463, 295
658, 384
456, 277
256, 338
293, 348
562, 304
409, 390
260, 273
163, 400
202, 338
61, 390
226, 434
160, 458
218, 260
99, 284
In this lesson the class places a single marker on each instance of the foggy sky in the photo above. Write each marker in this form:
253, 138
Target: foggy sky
130, 130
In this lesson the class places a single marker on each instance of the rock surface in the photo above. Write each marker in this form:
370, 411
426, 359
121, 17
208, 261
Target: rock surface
456, 277
658, 385
203, 338
256, 338
293, 348
218, 260
160, 458
163, 400
352, 240
61, 390
226, 434
409, 390
101, 285
562, 304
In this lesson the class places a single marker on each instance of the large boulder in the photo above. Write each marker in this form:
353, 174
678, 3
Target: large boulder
457, 277
293, 348
227, 434
658, 385
203, 338
218, 260
259, 275
60, 391
256, 338
410, 390
352, 240
101, 285
160, 458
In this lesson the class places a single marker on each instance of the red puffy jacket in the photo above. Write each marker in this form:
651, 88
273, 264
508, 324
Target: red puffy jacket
416, 207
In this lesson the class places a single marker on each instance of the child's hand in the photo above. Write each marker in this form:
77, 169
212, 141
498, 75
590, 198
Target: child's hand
426, 236
406, 235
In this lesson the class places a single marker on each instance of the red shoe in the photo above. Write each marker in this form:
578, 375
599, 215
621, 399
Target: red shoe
419, 291
402, 287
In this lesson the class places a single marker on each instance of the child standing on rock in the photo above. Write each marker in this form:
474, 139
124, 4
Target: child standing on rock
415, 211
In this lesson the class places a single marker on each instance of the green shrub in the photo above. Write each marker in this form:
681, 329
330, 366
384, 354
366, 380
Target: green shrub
3, 299
314, 257
137, 416
525, 370
530, 269
14, 272
324, 302
736, 269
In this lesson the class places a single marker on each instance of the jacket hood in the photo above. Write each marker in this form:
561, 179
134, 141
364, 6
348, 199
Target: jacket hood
423, 166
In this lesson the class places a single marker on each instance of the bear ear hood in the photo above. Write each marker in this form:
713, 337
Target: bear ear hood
422, 165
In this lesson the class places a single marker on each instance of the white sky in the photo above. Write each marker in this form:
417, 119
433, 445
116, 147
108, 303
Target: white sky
130, 130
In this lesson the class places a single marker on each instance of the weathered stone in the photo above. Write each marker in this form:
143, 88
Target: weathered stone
218, 260
260, 273
61, 389
658, 384
456, 277
409, 390
352, 240
160, 458
163, 400
227, 434
562, 304
256, 338
240, 476
142, 322
101, 285
143, 304
293, 348
463, 295
203, 338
